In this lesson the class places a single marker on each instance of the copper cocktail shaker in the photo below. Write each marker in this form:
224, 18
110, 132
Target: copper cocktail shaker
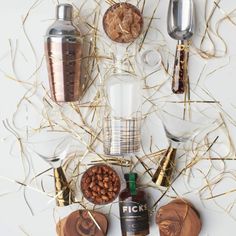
63, 48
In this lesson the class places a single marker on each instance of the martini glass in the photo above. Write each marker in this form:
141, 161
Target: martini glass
182, 121
54, 147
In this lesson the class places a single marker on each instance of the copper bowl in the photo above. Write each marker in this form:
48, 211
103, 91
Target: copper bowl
100, 184
120, 26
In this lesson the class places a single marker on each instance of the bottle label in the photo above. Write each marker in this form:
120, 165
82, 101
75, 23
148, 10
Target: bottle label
134, 216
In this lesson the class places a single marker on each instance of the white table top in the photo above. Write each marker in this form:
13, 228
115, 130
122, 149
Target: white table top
21, 54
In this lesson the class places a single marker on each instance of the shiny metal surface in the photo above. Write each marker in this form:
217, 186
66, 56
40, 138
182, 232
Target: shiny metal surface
63, 49
64, 12
62, 28
180, 21
63, 24
64, 194
164, 173
64, 67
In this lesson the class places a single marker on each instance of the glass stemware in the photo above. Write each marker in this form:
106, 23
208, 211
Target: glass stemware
54, 148
182, 120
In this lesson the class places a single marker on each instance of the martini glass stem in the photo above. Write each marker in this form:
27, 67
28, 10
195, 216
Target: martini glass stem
164, 172
174, 143
64, 196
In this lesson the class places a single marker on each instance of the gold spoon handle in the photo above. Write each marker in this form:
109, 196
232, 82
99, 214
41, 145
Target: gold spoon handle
180, 74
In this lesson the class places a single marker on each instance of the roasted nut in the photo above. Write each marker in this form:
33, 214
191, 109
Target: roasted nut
105, 198
91, 185
102, 187
106, 179
106, 185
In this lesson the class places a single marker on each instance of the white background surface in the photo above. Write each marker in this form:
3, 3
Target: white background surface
15, 217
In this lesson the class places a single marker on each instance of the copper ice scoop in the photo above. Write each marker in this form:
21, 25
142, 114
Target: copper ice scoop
180, 26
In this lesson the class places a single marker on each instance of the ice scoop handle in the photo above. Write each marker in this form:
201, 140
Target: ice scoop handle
180, 74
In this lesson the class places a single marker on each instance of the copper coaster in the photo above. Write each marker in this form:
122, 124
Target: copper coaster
83, 223
178, 218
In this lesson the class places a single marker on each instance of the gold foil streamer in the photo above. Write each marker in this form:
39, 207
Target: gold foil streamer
85, 127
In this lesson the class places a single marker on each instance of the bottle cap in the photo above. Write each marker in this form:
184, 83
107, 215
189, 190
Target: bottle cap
164, 172
64, 12
127, 176
131, 178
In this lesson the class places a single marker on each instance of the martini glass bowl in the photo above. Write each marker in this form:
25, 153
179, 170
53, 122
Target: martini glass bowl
54, 147
182, 120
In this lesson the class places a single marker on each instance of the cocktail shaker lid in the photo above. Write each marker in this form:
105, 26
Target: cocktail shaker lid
64, 12
63, 24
